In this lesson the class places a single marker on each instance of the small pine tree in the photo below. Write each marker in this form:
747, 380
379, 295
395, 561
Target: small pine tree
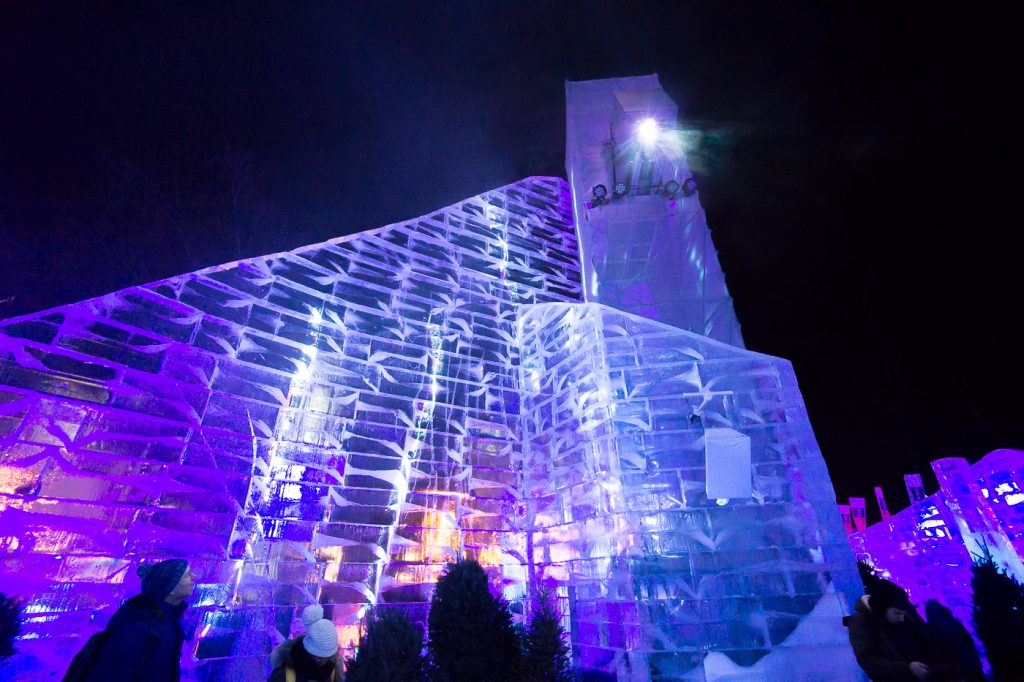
546, 653
10, 624
470, 633
389, 651
998, 616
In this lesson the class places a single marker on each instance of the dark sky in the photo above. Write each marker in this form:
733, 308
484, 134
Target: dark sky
859, 164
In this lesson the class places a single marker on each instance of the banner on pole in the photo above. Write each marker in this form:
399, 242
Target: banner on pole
882, 507
859, 512
844, 511
915, 487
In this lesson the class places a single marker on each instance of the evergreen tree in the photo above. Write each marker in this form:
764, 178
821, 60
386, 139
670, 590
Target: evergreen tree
470, 633
10, 624
390, 651
546, 653
998, 616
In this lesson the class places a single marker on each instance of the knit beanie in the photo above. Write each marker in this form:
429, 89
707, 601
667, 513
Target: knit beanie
321, 639
885, 595
158, 580
312, 614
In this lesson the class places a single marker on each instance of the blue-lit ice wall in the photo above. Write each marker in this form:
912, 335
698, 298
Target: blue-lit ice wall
657, 579
328, 425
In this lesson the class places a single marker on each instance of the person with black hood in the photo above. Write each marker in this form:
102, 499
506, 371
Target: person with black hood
893, 644
954, 636
145, 635
312, 657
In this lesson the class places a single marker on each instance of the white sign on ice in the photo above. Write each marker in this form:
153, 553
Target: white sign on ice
727, 463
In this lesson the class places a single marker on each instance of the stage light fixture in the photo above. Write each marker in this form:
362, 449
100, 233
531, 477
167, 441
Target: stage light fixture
647, 132
620, 189
671, 187
689, 186
600, 191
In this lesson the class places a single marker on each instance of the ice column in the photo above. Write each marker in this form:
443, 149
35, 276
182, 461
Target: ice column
645, 246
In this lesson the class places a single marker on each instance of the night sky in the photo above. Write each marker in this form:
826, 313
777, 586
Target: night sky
859, 164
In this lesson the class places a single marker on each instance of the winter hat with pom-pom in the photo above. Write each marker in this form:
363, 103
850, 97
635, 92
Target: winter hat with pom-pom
312, 614
321, 639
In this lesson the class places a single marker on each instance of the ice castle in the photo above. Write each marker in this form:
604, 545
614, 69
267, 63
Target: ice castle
548, 378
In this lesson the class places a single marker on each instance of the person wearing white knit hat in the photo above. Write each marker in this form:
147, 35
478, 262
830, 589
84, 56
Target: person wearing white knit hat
312, 657
311, 614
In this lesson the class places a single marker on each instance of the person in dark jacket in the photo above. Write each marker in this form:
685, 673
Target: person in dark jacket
954, 636
312, 657
893, 644
145, 633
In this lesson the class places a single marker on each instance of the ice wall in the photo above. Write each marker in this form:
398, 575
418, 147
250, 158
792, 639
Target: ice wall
929, 547
328, 425
647, 251
661, 582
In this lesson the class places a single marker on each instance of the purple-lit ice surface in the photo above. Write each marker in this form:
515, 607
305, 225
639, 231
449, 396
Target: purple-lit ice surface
660, 581
929, 547
329, 425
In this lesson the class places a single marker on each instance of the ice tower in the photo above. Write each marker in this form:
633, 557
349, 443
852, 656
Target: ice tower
645, 246
335, 423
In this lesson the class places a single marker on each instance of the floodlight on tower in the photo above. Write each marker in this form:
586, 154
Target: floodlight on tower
647, 132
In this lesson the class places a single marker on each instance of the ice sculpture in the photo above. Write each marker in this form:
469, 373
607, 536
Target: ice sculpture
645, 246
335, 423
661, 580
331, 424
929, 547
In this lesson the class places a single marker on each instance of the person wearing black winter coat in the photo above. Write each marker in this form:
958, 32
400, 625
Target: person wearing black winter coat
145, 638
893, 644
955, 638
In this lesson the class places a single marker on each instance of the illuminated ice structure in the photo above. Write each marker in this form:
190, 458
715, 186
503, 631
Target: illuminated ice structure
929, 547
645, 247
335, 423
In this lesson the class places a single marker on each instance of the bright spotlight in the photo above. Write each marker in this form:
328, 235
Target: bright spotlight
647, 132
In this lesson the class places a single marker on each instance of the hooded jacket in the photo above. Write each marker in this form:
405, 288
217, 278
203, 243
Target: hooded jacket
144, 644
885, 650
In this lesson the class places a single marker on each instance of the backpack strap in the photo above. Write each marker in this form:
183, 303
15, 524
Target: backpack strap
289, 674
